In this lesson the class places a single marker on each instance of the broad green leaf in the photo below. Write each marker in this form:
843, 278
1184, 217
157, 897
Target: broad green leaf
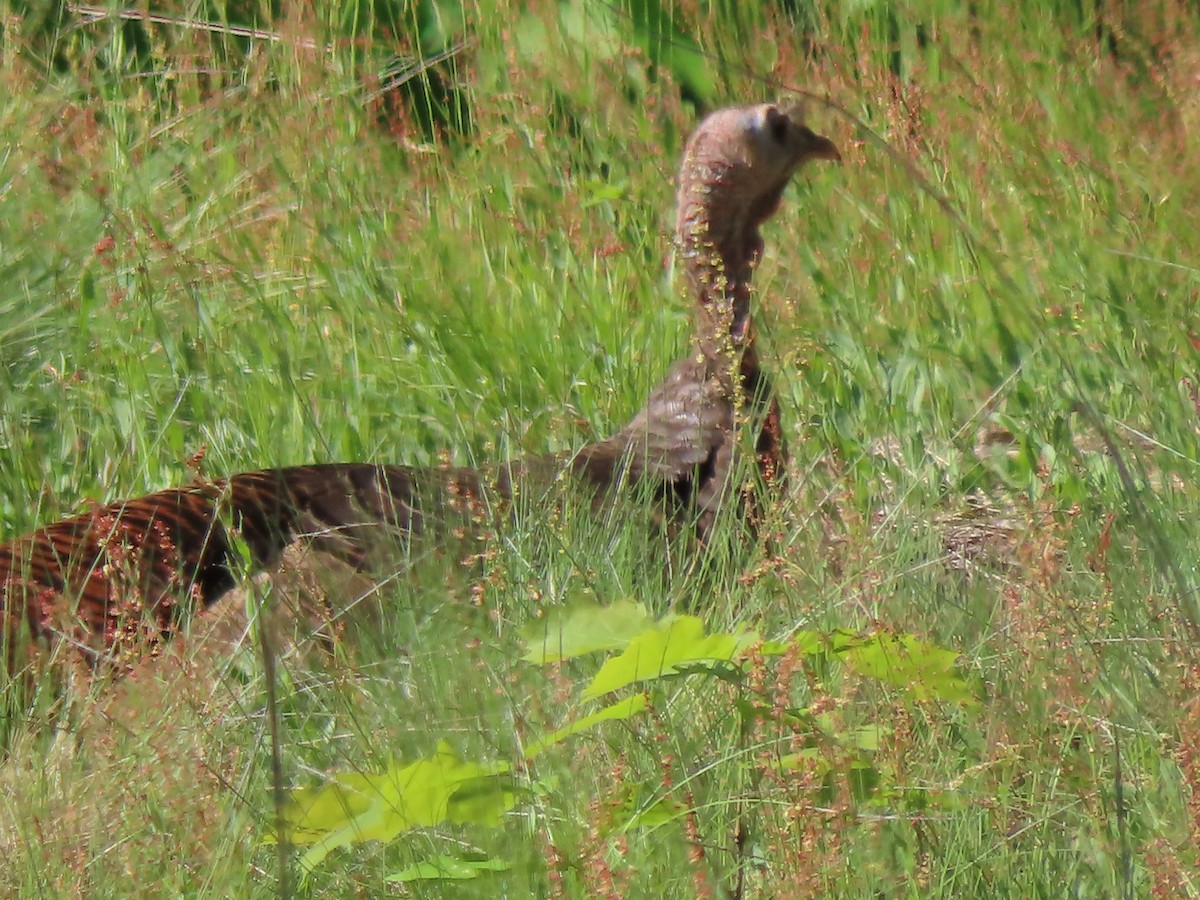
584, 629
599, 190
482, 801
808, 642
861, 775
355, 807
927, 671
623, 709
592, 26
866, 738
87, 289
312, 812
603, 31
663, 650
921, 799
658, 811
668, 46
775, 648
838, 641
809, 758
448, 867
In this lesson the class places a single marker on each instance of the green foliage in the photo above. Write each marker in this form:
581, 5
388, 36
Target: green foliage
617, 711
665, 44
678, 644
584, 629
448, 868
927, 671
672, 647
355, 807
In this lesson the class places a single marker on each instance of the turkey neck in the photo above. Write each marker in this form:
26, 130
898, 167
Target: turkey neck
717, 234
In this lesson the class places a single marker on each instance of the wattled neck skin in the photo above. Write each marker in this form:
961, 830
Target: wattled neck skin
735, 168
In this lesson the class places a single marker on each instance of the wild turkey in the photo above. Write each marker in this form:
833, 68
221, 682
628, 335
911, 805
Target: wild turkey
95, 577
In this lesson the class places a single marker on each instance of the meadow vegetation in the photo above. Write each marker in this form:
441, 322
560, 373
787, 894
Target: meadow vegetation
962, 662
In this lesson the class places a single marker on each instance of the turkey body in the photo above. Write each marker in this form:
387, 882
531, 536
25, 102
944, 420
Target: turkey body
135, 567
139, 567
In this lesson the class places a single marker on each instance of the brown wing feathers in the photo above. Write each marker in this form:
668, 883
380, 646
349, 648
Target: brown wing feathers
134, 565
130, 564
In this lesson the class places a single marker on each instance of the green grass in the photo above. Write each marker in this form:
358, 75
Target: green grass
983, 327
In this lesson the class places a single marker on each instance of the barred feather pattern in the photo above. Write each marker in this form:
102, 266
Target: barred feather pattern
140, 564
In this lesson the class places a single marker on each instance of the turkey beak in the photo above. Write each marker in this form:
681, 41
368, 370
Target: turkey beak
816, 146
824, 148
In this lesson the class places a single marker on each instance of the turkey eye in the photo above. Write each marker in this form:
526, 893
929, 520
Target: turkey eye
778, 124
